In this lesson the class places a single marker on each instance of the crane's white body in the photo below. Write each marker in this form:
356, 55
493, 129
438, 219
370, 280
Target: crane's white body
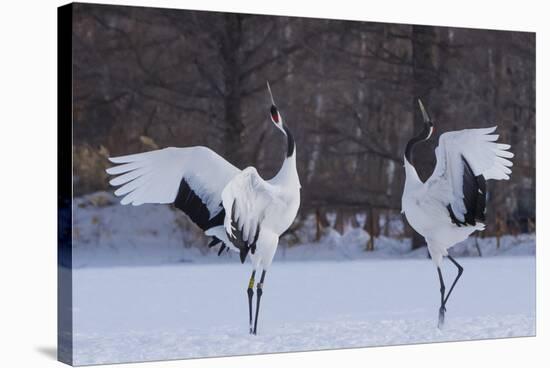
425, 203
424, 206
273, 204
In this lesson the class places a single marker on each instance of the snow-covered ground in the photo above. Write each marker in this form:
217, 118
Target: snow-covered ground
199, 310
146, 287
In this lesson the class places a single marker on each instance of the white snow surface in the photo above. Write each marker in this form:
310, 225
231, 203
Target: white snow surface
185, 310
146, 287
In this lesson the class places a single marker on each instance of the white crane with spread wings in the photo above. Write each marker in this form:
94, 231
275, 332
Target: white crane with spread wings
239, 209
450, 205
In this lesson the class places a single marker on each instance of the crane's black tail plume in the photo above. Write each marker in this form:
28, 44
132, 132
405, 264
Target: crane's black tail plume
237, 237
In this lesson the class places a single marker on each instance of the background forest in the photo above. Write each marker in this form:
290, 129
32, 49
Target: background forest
148, 78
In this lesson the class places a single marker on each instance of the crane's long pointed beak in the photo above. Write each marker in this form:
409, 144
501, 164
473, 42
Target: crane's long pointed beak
270, 94
425, 114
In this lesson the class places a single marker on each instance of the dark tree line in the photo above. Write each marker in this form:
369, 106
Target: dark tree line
148, 78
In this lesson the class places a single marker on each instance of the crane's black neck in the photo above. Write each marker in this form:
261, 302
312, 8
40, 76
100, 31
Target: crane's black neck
291, 145
422, 136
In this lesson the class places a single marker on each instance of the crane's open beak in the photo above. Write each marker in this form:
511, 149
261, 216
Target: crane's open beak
425, 114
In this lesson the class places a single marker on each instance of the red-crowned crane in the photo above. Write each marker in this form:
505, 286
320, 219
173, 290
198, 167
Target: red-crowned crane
239, 209
450, 205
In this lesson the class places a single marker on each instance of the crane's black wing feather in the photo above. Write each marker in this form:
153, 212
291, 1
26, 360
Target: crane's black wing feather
474, 191
191, 204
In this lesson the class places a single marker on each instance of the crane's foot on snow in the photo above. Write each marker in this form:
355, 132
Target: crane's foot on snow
441, 322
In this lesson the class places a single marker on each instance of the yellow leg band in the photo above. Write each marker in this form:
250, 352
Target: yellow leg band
251, 283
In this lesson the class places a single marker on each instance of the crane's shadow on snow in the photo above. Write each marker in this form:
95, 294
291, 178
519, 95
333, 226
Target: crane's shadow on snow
48, 351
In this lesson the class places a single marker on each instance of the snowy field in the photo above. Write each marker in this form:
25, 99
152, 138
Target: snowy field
146, 287
190, 310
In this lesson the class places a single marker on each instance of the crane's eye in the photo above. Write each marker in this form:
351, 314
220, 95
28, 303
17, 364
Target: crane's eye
274, 114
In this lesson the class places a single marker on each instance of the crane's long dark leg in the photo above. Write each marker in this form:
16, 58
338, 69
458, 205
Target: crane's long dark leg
259, 291
442, 307
250, 292
460, 270
444, 298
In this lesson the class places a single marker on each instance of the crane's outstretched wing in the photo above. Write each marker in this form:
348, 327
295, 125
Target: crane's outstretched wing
192, 178
245, 200
465, 159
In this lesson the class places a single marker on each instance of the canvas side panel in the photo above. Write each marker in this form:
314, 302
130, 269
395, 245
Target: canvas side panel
64, 189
